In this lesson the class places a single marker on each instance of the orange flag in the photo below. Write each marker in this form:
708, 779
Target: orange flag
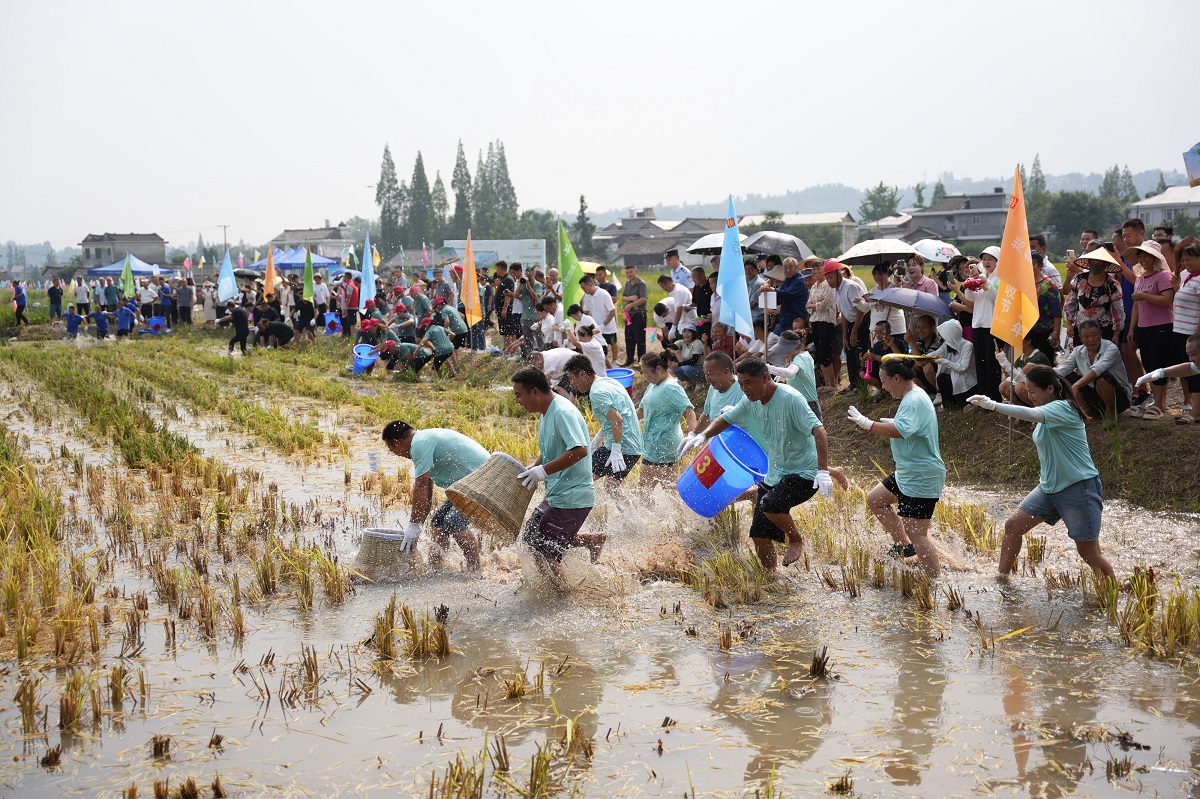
470, 287
269, 278
1016, 304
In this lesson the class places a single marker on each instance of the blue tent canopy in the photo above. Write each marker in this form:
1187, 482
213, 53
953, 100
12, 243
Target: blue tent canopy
140, 268
293, 259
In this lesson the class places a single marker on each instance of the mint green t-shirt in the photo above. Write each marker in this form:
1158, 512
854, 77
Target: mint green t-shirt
715, 400
791, 448
440, 340
1062, 446
561, 429
920, 471
446, 456
454, 318
608, 393
805, 381
662, 406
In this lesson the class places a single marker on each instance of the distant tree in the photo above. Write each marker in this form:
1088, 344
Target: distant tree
51, 256
1127, 192
420, 206
939, 191
1024, 180
879, 202
359, 228
199, 248
534, 224
1037, 180
390, 202
460, 184
824, 240
441, 207
504, 193
483, 204
772, 220
1161, 187
1110, 187
919, 191
582, 230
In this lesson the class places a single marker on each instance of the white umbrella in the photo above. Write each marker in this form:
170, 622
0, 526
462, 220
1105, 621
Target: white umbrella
876, 251
711, 244
936, 250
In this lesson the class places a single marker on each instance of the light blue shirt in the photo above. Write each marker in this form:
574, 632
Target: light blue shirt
715, 400
805, 380
662, 406
607, 393
1062, 447
791, 448
920, 471
560, 429
446, 456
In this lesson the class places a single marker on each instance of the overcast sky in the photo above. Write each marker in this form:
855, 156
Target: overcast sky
169, 117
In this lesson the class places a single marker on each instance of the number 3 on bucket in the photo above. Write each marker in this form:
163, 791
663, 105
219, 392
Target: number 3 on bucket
707, 470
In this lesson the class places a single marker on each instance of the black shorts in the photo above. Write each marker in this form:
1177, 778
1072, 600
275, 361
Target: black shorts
448, 518
600, 467
510, 325
1154, 344
1121, 394
909, 507
461, 340
789, 492
611, 338
122, 333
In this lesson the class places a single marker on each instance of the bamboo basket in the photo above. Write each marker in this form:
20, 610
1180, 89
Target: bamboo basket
379, 550
493, 498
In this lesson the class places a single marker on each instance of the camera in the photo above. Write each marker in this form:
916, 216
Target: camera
524, 280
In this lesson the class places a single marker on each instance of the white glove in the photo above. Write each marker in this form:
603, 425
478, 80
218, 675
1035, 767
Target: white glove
1004, 362
615, 461
690, 442
411, 534
532, 476
1157, 374
776, 371
886, 419
982, 401
856, 416
598, 441
823, 483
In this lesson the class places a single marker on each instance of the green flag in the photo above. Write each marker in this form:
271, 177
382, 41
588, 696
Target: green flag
128, 287
308, 275
569, 271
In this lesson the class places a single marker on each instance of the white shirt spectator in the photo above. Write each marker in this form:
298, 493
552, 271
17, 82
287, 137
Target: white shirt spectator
599, 306
320, 294
594, 350
683, 298
554, 361
664, 322
985, 302
1051, 273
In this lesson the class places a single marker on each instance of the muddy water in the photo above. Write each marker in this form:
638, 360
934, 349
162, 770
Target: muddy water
916, 707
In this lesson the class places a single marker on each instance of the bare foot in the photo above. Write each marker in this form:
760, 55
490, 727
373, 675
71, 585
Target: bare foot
794, 551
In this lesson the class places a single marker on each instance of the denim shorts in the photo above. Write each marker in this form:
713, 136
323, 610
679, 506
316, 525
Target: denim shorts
1079, 506
448, 518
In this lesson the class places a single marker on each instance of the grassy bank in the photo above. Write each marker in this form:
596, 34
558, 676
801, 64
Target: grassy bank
1151, 464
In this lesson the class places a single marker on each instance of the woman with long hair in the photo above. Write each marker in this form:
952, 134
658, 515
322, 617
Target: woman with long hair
1069, 488
915, 487
663, 404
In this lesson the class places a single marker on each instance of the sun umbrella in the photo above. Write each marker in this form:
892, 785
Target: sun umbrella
711, 244
875, 251
936, 250
772, 242
911, 300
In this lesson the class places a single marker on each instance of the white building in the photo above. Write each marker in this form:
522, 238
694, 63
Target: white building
1162, 208
839, 219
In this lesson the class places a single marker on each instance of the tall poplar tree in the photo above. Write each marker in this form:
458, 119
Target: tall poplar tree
460, 184
390, 201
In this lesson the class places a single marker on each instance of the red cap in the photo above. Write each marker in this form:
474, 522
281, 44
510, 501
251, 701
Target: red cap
832, 265
438, 302
370, 303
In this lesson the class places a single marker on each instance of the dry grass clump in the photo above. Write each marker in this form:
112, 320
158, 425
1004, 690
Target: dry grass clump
729, 578
971, 522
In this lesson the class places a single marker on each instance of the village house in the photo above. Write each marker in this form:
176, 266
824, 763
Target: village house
328, 241
104, 249
1163, 209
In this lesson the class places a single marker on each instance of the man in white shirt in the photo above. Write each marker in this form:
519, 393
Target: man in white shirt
599, 305
320, 296
683, 312
1037, 243
679, 273
553, 363
856, 334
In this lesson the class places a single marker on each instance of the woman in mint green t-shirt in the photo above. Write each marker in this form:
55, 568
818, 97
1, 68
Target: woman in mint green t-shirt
663, 404
1069, 488
916, 485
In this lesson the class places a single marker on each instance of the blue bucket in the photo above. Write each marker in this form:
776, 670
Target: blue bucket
728, 465
622, 376
157, 325
363, 358
333, 324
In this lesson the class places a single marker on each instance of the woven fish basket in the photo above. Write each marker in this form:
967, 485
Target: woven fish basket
379, 550
493, 498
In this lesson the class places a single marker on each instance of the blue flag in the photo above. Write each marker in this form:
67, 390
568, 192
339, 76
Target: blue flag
226, 283
368, 277
731, 280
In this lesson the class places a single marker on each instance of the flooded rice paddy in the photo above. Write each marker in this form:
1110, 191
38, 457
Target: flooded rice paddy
632, 685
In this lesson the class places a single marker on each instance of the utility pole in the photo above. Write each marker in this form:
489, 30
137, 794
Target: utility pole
224, 235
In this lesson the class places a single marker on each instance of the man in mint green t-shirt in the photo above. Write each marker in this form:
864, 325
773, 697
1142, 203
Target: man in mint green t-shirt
797, 457
723, 392
562, 464
618, 447
440, 458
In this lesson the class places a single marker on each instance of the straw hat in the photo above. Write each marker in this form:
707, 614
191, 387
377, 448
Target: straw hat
1101, 254
1150, 248
492, 497
777, 273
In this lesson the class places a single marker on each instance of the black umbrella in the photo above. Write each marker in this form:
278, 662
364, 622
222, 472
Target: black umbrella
248, 273
772, 242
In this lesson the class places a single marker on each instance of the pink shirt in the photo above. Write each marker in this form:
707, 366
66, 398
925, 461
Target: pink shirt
927, 285
1148, 313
